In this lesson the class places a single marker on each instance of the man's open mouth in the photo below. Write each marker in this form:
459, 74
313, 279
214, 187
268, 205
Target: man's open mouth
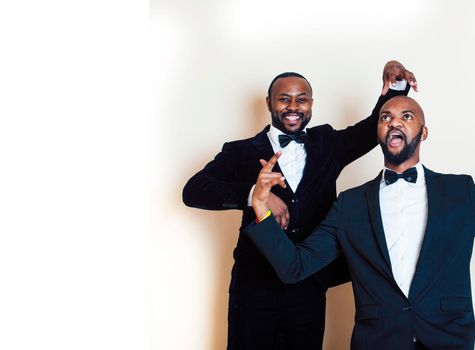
395, 138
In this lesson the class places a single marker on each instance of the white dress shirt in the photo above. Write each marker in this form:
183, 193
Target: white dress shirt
293, 158
291, 162
404, 213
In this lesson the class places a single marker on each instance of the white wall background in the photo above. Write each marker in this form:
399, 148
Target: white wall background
75, 156
211, 63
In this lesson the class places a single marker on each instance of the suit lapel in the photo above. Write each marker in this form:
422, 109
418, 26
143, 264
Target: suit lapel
314, 149
434, 241
372, 199
263, 146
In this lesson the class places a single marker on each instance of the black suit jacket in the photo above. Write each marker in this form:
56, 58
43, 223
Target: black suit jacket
438, 310
225, 183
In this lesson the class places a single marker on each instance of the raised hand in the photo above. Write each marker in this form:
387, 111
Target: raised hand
265, 181
393, 71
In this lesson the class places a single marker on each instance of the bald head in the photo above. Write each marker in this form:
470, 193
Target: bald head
401, 128
407, 101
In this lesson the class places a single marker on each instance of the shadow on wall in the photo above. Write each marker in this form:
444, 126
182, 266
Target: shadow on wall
227, 225
222, 230
339, 318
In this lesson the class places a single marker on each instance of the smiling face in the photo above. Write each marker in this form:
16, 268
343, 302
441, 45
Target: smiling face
290, 104
400, 130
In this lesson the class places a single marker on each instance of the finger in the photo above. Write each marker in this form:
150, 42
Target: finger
276, 179
284, 221
280, 181
409, 76
394, 75
286, 215
390, 77
271, 179
392, 67
390, 81
264, 175
270, 164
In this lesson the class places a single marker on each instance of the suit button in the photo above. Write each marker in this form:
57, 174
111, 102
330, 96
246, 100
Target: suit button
407, 308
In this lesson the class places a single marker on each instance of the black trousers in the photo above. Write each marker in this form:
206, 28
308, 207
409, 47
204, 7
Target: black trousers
286, 318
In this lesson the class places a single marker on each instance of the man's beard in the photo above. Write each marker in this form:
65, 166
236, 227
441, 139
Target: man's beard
406, 152
276, 122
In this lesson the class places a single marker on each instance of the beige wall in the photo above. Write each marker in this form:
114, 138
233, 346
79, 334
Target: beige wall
211, 64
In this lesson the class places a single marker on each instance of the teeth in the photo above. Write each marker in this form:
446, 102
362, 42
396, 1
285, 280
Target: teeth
394, 134
292, 117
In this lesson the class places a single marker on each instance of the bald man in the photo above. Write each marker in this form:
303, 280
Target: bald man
407, 237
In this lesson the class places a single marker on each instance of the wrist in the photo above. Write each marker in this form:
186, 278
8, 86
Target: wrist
269, 213
261, 210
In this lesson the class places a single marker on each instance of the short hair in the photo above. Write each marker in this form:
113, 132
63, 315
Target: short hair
286, 75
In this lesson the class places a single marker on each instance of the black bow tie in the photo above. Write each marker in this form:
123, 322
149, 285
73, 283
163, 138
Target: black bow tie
285, 139
410, 175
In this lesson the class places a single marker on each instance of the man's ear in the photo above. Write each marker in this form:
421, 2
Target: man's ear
268, 103
425, 133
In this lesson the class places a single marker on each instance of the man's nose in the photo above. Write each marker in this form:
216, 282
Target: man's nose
293, 105
394, 123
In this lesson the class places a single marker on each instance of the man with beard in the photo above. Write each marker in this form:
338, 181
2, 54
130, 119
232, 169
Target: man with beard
264, 313
407, 237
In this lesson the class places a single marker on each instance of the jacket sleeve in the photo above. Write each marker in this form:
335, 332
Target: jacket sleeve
471, 190
334, 274
218, 185
357, 140
295, 262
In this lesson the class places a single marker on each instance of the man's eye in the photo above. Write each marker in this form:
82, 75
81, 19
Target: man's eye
301, 100
283, 99
385, 118
408, 117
